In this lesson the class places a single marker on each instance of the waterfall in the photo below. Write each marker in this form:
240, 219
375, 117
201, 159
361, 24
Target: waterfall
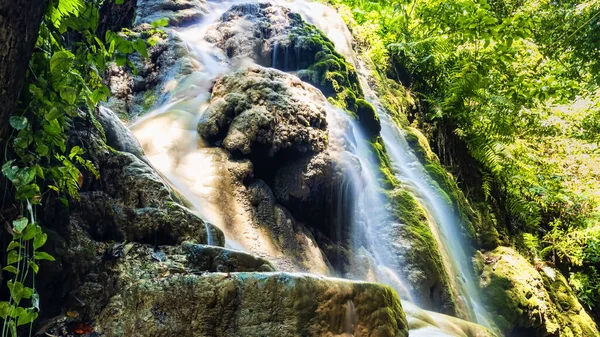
200, 172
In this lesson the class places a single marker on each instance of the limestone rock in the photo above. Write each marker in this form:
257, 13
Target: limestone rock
217, 259
273, 36
254, 304
264, 109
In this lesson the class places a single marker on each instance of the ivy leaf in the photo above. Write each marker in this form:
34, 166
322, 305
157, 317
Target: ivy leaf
20, 224
119, 2
11, 269
9, 170
5, 310
140, 46
13, 257
34, 266
28, 192
27, 292
16, 290
18, 122
12, 245
26, 316
43, 256
39, 240
31, 232
24, 177
61, 61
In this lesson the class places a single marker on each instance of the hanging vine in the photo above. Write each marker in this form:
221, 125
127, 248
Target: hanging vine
64, 82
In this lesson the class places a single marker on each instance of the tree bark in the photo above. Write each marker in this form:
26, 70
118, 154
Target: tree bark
19, 25
115, 17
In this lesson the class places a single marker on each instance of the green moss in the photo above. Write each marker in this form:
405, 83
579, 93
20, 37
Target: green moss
368, 117
148, 100
444, 182
521, 296
423, 253
388, 180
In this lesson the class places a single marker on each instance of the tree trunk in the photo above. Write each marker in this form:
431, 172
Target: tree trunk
115, 17
19, 25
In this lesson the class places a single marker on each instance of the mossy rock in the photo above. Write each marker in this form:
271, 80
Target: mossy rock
446, 184
417, 251
367, 116
522, 297
254, 304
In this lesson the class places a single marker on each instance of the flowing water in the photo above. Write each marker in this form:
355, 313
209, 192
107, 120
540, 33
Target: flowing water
200, 173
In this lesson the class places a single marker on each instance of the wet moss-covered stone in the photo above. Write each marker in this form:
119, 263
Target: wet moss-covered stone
417, 250
522, 297
254, 304
446, 184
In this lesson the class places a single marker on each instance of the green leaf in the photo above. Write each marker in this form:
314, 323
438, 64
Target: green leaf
54, 113
5, 309
39, 240
120, 59
69, 94
43, 256
42, 149
16, 290
18, 122
13, 257
160, 23
75, 151
9, 170
27, 292
140, 46
12, 245
11, 269
28, 192
34, 266
24, 177
100, 94
31, 232
20, 224
26, 316
119, 2
61, 61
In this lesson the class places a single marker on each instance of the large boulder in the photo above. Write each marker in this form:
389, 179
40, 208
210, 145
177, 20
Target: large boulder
529, 301
253, 304
264, 110
274, 36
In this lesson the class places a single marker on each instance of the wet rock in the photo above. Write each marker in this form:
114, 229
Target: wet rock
254, 304
521, 298
217, 259
414, 250
178, 12
264, 111
118, 135
274, 36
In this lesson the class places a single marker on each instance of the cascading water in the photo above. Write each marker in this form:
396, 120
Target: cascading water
201, 173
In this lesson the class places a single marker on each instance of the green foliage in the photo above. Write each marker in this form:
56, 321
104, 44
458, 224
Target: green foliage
516, 81
65, 83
